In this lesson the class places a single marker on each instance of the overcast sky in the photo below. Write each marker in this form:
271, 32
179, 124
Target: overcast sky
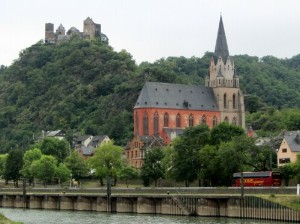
153, 29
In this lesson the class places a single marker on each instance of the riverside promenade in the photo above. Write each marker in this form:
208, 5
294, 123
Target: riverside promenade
216, 202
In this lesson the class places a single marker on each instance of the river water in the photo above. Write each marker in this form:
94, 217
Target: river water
33, 216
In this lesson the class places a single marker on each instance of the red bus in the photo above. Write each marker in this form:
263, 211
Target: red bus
258, 179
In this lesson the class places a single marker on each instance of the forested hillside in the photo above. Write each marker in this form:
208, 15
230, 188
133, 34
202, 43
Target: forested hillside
85, 87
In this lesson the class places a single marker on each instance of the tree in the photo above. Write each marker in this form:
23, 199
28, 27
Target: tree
44, 168
224, 132
77, 165
152, 169
29, 157
107, 161
3, 158
62, 173
185, 164
288, 172
55, 147
13, 166
128, 173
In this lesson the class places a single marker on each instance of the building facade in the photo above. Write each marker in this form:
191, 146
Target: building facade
289, 148
164, 110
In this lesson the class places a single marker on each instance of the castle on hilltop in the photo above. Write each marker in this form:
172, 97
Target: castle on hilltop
91, 30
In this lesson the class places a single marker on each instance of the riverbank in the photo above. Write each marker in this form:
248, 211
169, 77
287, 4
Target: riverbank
4, 220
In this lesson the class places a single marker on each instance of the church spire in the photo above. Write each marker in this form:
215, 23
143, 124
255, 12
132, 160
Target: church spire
221, 49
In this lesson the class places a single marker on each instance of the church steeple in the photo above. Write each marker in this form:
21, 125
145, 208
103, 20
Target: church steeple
221, 49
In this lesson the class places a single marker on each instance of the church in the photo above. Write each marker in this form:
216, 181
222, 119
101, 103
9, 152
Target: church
163, 110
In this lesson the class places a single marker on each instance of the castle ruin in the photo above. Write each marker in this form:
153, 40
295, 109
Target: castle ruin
91, 30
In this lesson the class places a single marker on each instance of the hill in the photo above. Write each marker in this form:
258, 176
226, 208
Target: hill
85, 87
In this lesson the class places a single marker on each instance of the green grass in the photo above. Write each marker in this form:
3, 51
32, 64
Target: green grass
4, 220
291, 201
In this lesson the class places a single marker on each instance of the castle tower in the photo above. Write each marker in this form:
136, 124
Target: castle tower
49, 33
224, 80
91, 29
60, 30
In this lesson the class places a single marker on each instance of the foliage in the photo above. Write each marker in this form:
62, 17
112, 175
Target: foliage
77, 165
13, 165
185, 164
107, 160
29, 157
224, 132
55, 147
3, 158
152, 169
44, 168
62, 173
288, 172
128, 173
86, 87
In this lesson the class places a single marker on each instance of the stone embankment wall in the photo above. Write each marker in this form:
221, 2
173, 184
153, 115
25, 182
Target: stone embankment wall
169, 204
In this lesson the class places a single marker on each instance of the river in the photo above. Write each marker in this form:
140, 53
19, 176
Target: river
33, 216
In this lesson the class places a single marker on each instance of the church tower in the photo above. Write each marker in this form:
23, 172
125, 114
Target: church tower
224, 81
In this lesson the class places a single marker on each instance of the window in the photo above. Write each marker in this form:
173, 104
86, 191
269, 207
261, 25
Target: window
203, 119
225, 100
284, 160
155, 123
191, 120
145, 124
284, 150
178, 121
233, 101
234, 121
136, 123
166, 120
226, 119
215, 121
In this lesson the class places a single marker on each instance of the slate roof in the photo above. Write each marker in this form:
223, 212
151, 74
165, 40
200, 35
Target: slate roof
293, 140
96, 140
176, 96
221, 48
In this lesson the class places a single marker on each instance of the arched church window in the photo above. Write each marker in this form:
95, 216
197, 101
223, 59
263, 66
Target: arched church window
226, 119
234, 121
233, 101
155, 123
203, 119
215, 121
145, 124
191, 120
166, 120
136, 131
178, 120
225, 100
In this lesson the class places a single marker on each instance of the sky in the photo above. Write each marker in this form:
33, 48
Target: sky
153, 29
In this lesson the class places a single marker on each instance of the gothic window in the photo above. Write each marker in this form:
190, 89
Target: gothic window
203, 119
155, 123
191, 120
136, 123
145, 124
233, 101
226, 119
178, 121
234, 121
166, 120
215, 121
225, 100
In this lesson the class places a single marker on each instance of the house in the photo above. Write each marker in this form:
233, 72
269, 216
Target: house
87, 144
58, 134
163, 110
289, 148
